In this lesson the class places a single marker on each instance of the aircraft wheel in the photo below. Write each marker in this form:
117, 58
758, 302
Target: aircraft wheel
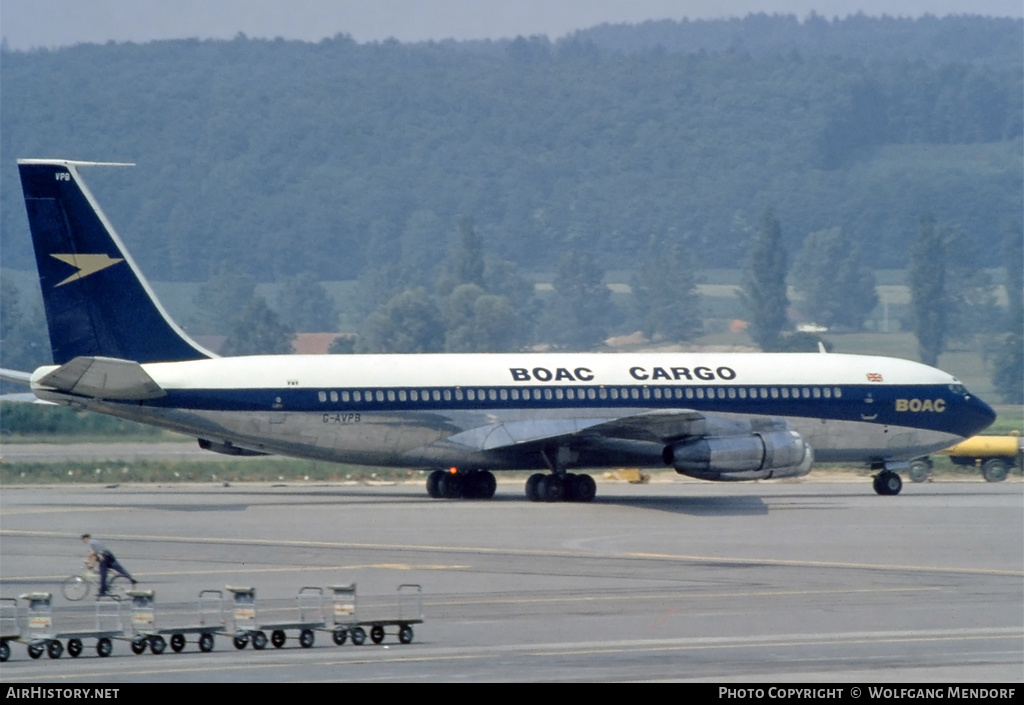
139, 644
552, 488
920, 471
259, 641
481, 484
206, 643
358, 636
54, 649
157, 645
451, 485
533, 486
35, 650
584, 489
104, 647
340, 635
995, 470
177, 643
74, 647
5, 651
888, 483
277, 638
376, 634
240, 641
434, 484
405, 634
306, 638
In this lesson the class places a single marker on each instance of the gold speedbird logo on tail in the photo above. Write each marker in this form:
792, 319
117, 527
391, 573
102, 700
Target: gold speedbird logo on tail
86, 264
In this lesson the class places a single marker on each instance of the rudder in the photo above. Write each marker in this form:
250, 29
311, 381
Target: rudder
97, 302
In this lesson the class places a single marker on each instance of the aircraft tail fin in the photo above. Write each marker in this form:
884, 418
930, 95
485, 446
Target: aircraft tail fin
97, 302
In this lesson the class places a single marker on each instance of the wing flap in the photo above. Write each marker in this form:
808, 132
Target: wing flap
102, 378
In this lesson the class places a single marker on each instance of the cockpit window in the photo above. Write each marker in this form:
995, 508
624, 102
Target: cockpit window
958, 389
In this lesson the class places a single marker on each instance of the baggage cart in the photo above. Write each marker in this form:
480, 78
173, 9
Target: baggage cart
10, 629
347, 623
39, 635
145, 631
247, 628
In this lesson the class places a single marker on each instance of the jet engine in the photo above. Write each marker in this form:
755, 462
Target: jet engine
756, 456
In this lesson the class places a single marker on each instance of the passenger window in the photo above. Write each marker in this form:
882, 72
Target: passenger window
322, 396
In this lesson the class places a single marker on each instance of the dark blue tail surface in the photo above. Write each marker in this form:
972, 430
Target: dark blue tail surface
97, 303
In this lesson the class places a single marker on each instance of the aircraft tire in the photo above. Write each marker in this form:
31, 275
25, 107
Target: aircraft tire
433, 484
920, 471
888, 482
533, 486
552, 488
584, 488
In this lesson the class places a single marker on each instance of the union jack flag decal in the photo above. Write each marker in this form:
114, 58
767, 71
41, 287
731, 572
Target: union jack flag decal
874, 377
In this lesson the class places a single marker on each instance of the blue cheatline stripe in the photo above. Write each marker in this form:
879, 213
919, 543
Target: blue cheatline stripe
925, 405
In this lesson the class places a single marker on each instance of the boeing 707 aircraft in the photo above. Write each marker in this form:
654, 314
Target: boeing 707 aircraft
713, 416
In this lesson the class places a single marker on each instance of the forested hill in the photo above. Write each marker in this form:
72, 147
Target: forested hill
281, 157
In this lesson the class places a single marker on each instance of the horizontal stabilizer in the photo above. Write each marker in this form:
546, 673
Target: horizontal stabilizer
103, 378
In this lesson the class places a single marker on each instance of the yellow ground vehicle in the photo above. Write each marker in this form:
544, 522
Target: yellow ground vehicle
995, 455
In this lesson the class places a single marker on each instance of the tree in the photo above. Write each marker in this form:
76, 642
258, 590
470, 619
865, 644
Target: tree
220, 299
480, 322
408, 323
764, 284
928, 300
24, 344
258, 331
581, 309
466, 264
838, 289
1008, 358
306, 305
665, 292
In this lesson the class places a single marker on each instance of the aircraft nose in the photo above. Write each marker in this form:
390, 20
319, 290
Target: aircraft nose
979, 416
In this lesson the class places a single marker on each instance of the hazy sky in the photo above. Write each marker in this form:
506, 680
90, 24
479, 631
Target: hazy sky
50, 23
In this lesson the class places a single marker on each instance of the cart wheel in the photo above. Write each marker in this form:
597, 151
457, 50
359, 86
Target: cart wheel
405, 634
278, 638
240, 641
206, 643
358, 636
74, 588
54, 649
5, 651
35, 650
104, 647
177, 642
139, 644
157, 645
340, 635
306, 638
74, 647
259, 641
376, 634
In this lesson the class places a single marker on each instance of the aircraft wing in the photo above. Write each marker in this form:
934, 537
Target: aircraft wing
657, 426
102, 378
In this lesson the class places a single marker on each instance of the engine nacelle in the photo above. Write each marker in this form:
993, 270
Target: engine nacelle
757, 456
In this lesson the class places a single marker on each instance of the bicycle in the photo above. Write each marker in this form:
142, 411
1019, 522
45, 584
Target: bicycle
77, 586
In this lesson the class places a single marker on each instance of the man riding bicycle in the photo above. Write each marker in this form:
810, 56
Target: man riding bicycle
101, 556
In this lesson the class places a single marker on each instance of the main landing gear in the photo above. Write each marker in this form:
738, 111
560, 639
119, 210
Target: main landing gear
565, 487
475, 484
887, 482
